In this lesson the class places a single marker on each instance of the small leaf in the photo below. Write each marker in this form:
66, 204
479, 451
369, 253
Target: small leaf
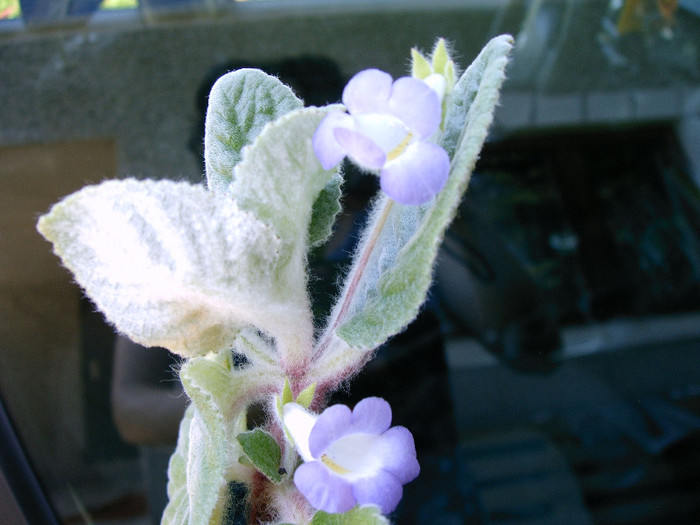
367, 515
306, 396
206, 458
263, 451
240, 104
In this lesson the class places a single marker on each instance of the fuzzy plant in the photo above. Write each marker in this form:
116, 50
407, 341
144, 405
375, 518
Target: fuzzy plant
218, 275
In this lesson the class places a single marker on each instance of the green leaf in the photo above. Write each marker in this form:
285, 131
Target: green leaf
325, 210
240, 104
398, 275
169, 263
263, 451
367, 515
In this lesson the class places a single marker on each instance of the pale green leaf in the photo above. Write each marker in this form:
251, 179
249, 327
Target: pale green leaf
460, 100
280, 178
367, 515
170, 264
207, 456
219, 394
196, 483
178, 508
263, 452
240, 104
397, 277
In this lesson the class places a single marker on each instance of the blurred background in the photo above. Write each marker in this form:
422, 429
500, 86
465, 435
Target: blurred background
553, 376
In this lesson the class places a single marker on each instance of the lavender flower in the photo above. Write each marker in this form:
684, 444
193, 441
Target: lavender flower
351, 457
388, 129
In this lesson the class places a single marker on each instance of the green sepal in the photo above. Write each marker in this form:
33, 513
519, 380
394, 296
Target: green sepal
441, 62
263, 452
240, 104
287, 395
398, 275
366, 515
420, 67
306, 396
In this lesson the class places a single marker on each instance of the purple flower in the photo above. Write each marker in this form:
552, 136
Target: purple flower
388, 129
351, 457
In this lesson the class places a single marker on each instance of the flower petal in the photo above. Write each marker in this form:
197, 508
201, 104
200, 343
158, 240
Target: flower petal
299, 423
417, 105
360, 148
333, 423
326, 148
368, 92
437, 83
383, 490
417, 175
323, 490
397, 452
371, 415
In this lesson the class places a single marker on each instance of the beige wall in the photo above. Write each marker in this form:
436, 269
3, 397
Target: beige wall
39, 330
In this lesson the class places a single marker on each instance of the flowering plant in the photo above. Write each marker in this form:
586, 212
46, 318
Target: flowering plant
218, 275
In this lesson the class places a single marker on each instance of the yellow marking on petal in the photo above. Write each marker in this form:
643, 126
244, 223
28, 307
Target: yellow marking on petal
333, 465
398, 150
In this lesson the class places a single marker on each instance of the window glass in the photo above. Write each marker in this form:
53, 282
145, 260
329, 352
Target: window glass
555, 370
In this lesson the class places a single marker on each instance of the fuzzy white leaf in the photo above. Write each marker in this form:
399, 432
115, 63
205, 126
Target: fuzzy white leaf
170, 264
279, 180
